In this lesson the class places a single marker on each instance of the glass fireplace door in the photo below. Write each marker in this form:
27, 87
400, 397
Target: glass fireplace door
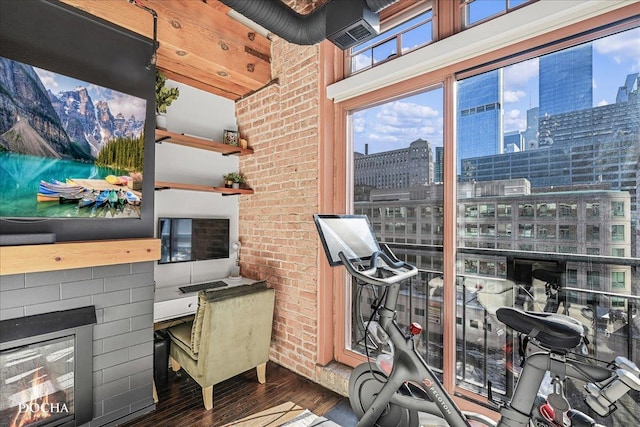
37, 383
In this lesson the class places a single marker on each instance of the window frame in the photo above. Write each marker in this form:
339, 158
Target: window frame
352, 54
464, 12
391, 17
572, 34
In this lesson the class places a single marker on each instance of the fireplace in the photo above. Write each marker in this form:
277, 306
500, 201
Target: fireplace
46, 376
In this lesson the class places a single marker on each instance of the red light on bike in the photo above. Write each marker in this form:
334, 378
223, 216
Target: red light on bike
547, 412
415, 328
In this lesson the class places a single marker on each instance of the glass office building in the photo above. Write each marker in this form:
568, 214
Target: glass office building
480, 116
566, 81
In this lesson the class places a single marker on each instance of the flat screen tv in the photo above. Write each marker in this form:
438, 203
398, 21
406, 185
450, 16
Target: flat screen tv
76, 121
68, 148
193, 239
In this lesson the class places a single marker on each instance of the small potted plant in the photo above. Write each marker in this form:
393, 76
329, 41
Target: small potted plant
164, 97
233, 180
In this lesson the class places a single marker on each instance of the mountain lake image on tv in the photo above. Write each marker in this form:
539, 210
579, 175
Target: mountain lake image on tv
68, 148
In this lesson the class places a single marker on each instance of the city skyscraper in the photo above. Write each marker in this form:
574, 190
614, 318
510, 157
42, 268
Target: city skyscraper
566, 81
531, 133
480, 115
574, 154
438, 165
513, 141
630, 87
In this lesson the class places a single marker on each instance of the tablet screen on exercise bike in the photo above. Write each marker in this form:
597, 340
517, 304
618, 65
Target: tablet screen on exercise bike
350, 234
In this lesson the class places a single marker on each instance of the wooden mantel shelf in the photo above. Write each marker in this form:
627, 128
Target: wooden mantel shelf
65, 255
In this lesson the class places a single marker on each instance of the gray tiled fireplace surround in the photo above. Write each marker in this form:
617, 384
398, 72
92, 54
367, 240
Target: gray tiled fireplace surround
122, 338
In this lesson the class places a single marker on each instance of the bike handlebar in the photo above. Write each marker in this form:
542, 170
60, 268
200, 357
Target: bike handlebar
393, 271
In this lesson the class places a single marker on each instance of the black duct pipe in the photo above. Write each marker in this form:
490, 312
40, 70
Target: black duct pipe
295, 28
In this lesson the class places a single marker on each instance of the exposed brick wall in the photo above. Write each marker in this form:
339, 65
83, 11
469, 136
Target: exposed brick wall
277, 232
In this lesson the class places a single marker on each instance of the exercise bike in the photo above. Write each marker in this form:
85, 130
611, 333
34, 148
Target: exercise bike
396, 395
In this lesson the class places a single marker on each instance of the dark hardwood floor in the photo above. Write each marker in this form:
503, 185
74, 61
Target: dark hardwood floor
180, 401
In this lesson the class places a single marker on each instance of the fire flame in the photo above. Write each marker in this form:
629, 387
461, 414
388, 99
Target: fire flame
34, 398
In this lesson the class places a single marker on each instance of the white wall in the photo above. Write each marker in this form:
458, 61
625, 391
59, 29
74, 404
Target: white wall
201, 114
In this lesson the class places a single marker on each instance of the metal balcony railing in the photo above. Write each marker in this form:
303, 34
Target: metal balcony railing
486, 352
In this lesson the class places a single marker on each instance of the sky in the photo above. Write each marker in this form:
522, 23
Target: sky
396, 124
118, 102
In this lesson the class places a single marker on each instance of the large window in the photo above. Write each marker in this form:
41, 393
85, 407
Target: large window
397, 173
562, 123
402, 39
513, 183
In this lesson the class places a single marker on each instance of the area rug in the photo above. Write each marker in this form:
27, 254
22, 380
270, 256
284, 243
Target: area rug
306, 419
287, 414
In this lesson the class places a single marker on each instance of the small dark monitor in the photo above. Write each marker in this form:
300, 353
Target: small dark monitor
349, 234
193, 239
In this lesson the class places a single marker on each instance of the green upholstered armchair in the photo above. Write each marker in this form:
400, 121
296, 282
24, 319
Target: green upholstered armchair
230, 334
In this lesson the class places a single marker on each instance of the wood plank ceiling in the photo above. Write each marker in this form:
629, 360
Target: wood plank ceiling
200, 45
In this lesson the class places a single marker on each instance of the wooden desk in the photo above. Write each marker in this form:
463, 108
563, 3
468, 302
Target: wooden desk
170, 303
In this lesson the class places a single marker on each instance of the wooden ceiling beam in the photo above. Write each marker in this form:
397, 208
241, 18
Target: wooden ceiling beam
192, 74
194, 28
198, 41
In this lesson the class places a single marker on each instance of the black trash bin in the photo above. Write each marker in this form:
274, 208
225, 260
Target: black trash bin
160, 358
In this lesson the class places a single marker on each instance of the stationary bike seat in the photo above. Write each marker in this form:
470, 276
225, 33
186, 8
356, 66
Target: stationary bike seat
555, 331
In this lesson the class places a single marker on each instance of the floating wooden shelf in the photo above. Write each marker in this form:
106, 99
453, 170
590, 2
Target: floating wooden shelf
164, 185
65, 255
201, 143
